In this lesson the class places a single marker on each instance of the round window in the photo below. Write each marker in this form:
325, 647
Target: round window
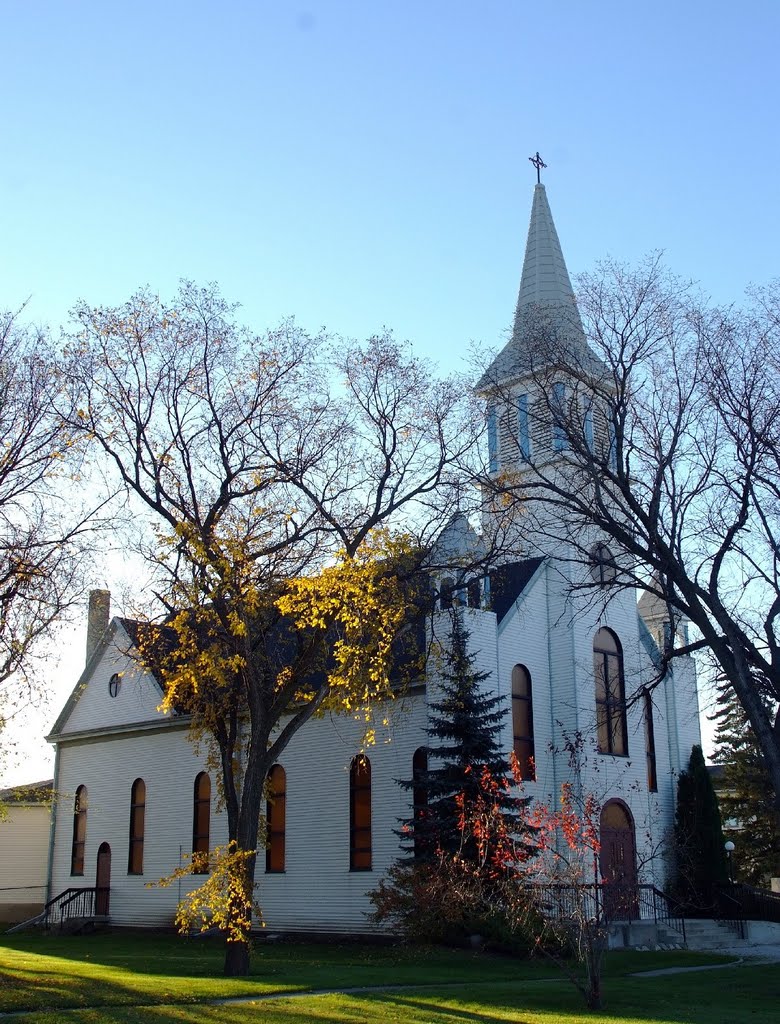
114, 684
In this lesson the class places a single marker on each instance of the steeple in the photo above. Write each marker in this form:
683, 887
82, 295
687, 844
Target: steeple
547, 329
545, 280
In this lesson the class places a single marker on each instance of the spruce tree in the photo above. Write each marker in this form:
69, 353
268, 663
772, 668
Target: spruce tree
466, 767
702, 866
746, 797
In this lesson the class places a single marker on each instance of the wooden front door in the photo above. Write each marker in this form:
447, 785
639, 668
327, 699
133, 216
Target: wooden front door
103, 880
617, 862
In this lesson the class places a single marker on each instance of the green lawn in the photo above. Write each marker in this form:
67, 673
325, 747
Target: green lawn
158, 979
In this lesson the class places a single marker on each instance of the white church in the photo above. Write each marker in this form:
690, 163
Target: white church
135, 796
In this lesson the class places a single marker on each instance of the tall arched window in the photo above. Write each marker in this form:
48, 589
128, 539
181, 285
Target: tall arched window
652, 772
201, 821
360, 814
135, 856
612, 732
79, 831
523, 722
419, 798
275, 819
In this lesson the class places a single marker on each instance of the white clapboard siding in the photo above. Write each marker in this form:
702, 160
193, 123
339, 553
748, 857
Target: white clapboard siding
549, 629
24, 845
168, 764
137, 700
317, 890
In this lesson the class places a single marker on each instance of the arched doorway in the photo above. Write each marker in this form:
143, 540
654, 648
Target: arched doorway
103, 880
617, 860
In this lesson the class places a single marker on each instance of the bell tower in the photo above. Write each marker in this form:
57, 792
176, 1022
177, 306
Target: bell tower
541, 382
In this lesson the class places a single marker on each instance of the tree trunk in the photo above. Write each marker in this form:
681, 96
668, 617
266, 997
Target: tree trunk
241, 894
237, 959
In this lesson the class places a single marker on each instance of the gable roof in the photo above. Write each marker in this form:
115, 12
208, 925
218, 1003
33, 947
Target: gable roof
507, 583
130, 628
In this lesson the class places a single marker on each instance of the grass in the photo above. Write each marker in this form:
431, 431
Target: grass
158, 979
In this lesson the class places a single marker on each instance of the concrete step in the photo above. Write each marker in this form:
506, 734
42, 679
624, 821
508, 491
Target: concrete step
643, 935
706, 934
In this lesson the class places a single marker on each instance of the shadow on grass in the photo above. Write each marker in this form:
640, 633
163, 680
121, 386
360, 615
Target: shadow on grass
737, 995
147, 971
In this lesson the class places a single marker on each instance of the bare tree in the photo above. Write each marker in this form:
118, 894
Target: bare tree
653, 458
266, 464
41, 523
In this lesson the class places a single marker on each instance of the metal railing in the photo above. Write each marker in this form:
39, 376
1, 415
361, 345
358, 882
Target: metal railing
72, 904
605, 904
746, 903
728, 909
75, 903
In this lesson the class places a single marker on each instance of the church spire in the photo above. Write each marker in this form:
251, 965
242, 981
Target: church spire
545, 279
547, 329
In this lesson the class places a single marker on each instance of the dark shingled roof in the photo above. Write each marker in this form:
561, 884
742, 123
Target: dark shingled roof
507, 583
30, 793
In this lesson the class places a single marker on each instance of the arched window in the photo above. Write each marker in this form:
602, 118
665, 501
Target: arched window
652, 773
523, 721
612, 732
275, 818
360, 814
603, 569
419, 798
135, 857
201, 820
79, 831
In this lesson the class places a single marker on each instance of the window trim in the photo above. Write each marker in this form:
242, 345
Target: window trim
79, 841
650, 754
521, 701
610, 709
136, 838
603, 568
201, 840
360, 837
276, 819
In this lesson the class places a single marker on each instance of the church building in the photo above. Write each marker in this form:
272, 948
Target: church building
136, 796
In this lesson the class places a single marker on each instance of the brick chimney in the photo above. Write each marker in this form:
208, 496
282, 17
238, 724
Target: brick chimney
97, 618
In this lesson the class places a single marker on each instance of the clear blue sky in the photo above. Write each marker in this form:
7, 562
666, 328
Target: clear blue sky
360, 164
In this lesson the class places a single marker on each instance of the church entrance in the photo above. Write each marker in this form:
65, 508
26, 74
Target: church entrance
103, 880
617, 861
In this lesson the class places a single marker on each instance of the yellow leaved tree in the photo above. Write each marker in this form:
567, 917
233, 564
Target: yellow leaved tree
294, 487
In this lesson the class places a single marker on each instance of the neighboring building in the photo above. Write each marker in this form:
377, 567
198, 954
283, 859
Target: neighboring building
25, 814
135, 796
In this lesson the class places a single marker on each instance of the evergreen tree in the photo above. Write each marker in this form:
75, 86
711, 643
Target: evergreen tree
746, 797
465, 770
702, 865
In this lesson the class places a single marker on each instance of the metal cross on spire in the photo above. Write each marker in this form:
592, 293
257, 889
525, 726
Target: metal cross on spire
538, 164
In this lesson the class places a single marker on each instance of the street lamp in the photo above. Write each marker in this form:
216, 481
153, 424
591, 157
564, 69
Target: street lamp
729, 848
